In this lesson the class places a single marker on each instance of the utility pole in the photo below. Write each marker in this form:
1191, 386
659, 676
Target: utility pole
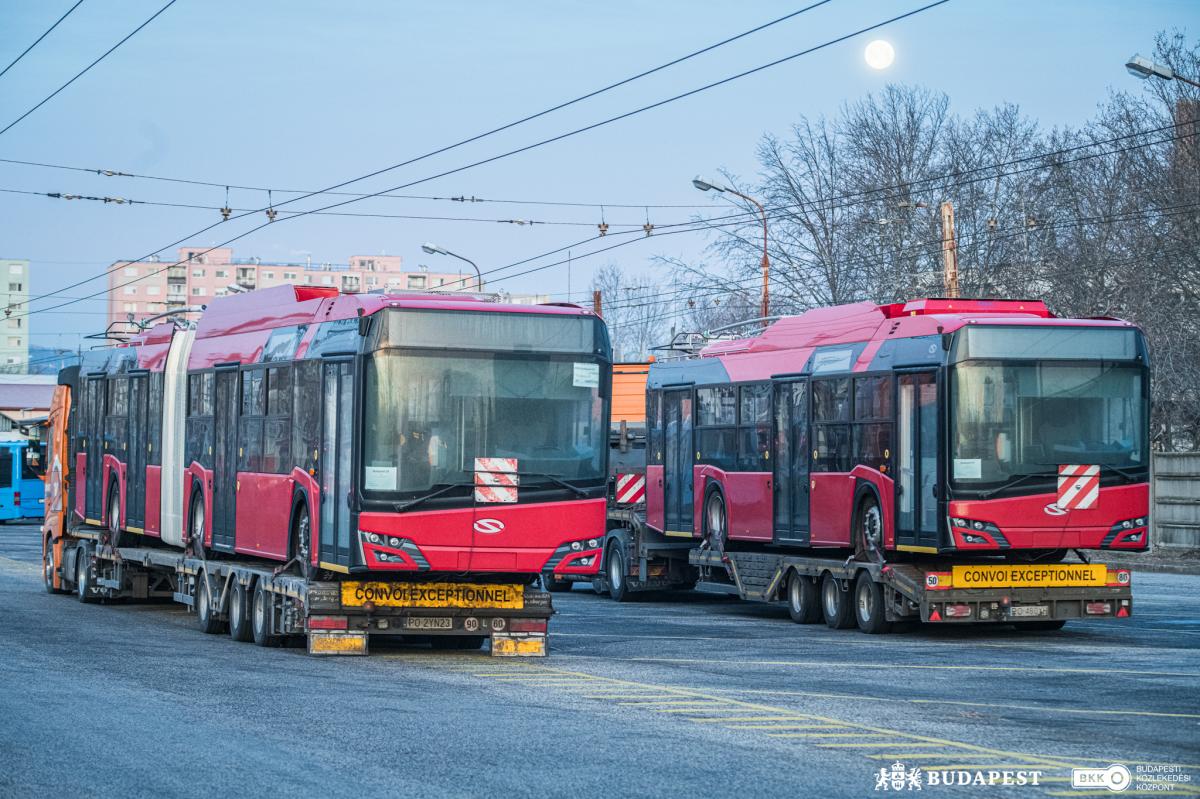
596, 306
949, 252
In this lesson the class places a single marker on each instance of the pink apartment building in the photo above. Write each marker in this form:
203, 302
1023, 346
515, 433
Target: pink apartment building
155, 287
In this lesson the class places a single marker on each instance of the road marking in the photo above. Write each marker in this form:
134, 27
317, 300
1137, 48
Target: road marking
830, 735
785, 726
870, 745
1057, 709
720, 720
918, 666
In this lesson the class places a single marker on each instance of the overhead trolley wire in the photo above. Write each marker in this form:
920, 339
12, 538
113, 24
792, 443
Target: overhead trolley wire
38, 40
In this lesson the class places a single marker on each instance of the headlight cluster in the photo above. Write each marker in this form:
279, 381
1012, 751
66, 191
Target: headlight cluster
382, 540
967, 526
579, 546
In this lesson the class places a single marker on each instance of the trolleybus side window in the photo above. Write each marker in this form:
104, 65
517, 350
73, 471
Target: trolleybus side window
716, 420
873, 422
754, 427
277, 427
654, 423
831, 428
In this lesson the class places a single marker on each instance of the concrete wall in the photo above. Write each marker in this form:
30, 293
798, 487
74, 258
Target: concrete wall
1175, 503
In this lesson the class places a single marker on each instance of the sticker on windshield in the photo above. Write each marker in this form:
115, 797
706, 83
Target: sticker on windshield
968, 468
379, 478
587, 375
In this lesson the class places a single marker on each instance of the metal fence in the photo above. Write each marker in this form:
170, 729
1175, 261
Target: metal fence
1176, 500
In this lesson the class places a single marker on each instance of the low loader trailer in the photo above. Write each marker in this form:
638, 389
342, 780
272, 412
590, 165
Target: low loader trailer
875, 595
267, 605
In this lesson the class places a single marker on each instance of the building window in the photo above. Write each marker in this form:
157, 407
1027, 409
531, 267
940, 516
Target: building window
14, 322
16, 269
131, 289
131, 271
197, 273
198, 291
195, 256
289, 275
15, 286
327, 280
416, 281
221, 273
14, 341
131, 306
371, 281
269, 275
152, 290
441, 281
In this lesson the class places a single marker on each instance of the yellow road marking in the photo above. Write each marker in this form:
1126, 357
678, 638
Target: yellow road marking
786, 726
831, 735
870, 745
1057, 709
723, 719
841, 664
916, 755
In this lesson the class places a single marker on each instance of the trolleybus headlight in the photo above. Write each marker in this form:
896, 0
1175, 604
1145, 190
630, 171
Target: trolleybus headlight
592, 543
576, 546
1141, 522
394, 542
977, 525
373, 538
959, 522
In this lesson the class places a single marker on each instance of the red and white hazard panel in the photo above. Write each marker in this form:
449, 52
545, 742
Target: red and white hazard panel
1078, 487
631, 489
496, 480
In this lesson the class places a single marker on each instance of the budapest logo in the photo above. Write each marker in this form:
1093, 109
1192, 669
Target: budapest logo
488, 526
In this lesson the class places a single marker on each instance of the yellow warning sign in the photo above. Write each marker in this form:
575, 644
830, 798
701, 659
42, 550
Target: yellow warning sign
433, 595
1029, 575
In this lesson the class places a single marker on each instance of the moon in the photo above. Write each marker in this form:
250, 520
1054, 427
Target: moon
879, 54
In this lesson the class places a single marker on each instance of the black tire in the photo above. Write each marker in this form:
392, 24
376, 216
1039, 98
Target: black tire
206, 610
113, 524
555, 586
716, 522
260, 617
84, 576
616, 571
301, 543
196, 524
836, 607
869, 609
868, 529
804, 599
1041, 626
457, 642
239, 612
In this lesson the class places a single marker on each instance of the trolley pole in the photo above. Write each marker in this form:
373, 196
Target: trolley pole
949, 252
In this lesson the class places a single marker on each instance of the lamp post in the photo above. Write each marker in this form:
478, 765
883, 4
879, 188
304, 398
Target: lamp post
433, 249
1141, 68
707, 185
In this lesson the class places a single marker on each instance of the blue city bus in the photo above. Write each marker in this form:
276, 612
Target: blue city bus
22, 492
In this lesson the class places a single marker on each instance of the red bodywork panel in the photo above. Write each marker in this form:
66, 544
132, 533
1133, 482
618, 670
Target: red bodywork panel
81, 485
153, 501
748, 502
448, 541
1025, 523
655, 510
829, 503
111, 465
263, 514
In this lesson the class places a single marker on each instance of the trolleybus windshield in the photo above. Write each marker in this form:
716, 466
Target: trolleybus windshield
1015, 412
522, 386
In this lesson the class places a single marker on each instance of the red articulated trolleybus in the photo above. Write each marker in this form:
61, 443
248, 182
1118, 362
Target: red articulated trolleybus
933, 460
392, 452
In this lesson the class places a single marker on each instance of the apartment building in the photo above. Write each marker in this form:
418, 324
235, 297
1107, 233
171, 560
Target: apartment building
14, 329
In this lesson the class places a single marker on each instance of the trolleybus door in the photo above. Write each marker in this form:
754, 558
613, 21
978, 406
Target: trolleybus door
137, 437
94, 470
677, 460
225, 428
791, 463
336, 464
917, 447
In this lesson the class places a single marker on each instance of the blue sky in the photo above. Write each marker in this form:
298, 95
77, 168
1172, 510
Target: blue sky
303, 94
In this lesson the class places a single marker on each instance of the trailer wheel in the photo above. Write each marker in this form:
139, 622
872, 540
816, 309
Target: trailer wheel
239, 613
84, 591
457, 641
1041, 626
260, 617
114, 516
206, 614
715, 527
836, 606
870, 611
618, 574
804, 600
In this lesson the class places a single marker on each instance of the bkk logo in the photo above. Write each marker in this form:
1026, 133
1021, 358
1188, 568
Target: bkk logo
488, 526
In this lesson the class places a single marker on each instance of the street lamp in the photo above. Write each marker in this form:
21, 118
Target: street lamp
433, 249
707, 185
1141, 68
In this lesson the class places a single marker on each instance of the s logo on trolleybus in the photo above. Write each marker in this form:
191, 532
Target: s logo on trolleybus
488, 526
1054, 510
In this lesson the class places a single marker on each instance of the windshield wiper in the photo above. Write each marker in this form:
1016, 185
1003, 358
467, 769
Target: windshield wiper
1128, 475
579, 492
1016, 481
399, 507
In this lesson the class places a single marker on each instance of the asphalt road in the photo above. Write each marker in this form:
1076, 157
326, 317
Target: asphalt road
677, 697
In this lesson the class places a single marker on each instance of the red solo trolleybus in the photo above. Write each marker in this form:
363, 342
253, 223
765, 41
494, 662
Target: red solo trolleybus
928, 447
352, 440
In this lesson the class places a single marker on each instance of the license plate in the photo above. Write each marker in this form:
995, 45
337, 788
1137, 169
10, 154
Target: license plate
1024, 611
428, 623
